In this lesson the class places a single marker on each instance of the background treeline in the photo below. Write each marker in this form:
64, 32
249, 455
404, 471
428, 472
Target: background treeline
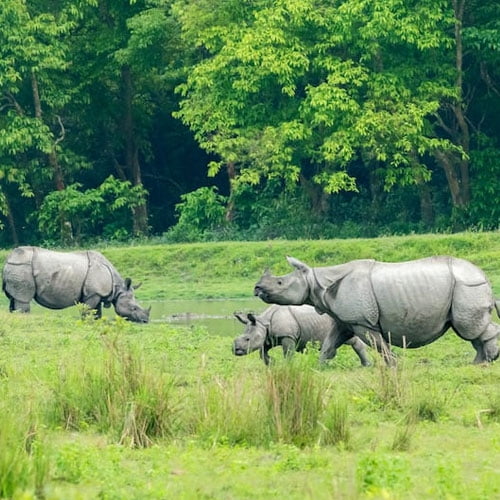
312, 118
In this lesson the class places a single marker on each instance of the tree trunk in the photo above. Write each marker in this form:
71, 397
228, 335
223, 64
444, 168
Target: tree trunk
12, 222
426, 208
456, 166
139, 213
52, 156
318, 197
231, 174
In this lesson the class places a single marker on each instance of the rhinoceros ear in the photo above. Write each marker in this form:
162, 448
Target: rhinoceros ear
128, 283
251, 318
297, 264
135, 287
241, 317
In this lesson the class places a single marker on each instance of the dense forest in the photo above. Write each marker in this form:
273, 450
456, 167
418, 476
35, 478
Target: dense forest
247, 119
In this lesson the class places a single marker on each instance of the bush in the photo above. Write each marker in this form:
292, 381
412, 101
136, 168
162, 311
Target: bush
200, 212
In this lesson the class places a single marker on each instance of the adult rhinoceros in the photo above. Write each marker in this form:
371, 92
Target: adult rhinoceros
406, 304
61, 279
292, 327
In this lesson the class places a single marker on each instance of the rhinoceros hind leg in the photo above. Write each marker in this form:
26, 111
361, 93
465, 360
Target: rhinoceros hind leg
360, 349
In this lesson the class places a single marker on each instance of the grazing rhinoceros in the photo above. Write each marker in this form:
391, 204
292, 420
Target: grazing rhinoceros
61, 279
406, 304
291, 327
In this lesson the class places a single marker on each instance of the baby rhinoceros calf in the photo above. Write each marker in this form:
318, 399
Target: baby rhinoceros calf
292, 327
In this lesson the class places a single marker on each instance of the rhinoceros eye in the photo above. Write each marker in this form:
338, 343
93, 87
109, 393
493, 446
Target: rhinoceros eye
280, 282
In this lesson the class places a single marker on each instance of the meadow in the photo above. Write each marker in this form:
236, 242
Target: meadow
108, 409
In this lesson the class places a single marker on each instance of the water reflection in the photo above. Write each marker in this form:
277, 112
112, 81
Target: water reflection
215, 315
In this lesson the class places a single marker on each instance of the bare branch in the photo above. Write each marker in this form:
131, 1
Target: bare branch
63, 132
443, 125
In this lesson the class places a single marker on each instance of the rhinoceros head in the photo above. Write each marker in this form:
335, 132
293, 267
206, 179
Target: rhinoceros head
252, 338
290, 289
126, 305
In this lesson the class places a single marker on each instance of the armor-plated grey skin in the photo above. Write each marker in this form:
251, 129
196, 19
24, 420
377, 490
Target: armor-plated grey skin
405, 304
62, 279
291, 327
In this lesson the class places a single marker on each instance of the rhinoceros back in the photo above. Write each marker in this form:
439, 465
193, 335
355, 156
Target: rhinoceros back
101, 276
302, 323
18, 280
414, 299
59, 277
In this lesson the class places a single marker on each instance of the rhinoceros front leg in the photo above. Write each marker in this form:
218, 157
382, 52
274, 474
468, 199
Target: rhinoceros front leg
486, 345
94, 303
289, 346
331, 343
17, 305
478, 346
264, 355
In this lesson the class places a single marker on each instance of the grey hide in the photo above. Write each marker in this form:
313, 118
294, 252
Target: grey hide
291, 327
62, 279
405, 304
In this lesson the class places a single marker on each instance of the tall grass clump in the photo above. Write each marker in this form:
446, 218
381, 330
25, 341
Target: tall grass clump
390, 383
24, 461
114, 391
295, 400
335, 427
228, 411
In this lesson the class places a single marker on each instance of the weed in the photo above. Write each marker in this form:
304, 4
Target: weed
335, 428
294, 398
116, 393
378, 474
23, 459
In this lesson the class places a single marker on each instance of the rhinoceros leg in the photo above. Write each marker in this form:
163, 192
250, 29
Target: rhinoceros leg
376, 340
478, 346
360, 349
264, 355
288, 345
332, 342
17, 305
486, 345
94, 302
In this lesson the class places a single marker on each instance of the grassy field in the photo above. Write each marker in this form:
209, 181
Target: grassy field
112, 410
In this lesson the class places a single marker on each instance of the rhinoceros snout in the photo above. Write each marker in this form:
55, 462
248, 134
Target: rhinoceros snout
261, 293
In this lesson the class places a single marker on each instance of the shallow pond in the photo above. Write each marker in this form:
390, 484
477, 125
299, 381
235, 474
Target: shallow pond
216, 314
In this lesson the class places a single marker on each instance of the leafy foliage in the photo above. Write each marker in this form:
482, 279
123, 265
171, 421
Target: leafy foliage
345, 107
199, 212
71, 214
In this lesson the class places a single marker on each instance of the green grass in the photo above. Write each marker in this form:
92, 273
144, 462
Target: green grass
230, 269
113, 410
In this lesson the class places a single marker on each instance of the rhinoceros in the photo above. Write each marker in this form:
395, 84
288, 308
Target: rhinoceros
61, 279
406, 304
291, 327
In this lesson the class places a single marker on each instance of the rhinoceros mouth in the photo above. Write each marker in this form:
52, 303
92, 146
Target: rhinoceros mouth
263, 295
240, 351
